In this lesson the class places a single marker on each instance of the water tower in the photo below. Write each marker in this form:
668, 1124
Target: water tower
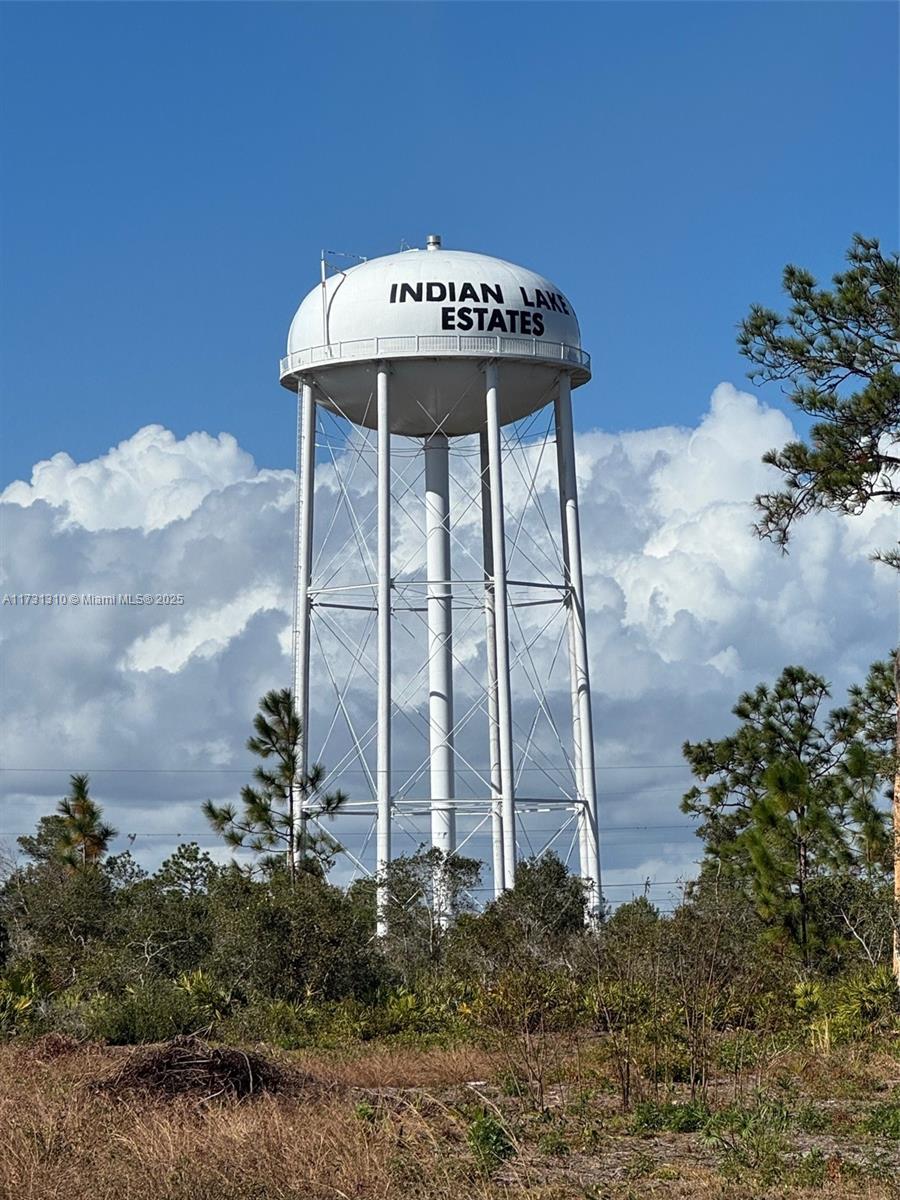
424, 354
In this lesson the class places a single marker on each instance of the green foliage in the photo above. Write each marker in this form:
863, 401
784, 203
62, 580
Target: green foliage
107, 950
867, 1003
42, 846
529, 927
650, 1116
148, 1012
489, 1142
873, 705
276, 813
19, 999
85, 835
837, 350
788, 799
75, 836
864, 1005
417, 940
553, 1144
884, 1121
751, 1138
207, 998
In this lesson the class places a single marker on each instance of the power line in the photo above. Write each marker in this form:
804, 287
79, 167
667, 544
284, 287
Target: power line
212, 836
243, 770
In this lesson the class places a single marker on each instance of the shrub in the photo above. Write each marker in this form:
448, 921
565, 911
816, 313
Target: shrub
649, 1116
489, 1141
553, 1144
884, 1121
278, 1022
151, 1012
19, 997
750, 1138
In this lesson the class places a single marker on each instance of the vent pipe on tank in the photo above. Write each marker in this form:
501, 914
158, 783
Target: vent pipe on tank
433, 241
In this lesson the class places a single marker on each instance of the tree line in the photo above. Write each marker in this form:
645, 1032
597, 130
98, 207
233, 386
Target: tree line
788, 930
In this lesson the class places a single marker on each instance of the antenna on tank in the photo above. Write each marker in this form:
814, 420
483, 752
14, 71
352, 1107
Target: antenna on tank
325, 341
326, 256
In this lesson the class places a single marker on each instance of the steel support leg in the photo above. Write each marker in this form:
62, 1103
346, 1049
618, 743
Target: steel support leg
491, 655
583, 733
440, 659
383, 600
306, 470
501, 613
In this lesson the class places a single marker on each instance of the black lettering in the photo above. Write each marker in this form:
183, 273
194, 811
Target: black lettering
565, 306
540, 299
512, 317
447, 316
435, 291
554, 302
413, 291
525, 319
464, 318
467, 292
494, 293
393, 293
496, 322
451, 291
538, 329
528, 303
480, 313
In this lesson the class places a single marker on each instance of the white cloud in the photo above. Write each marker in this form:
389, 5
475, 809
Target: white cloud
686, 609
145, 482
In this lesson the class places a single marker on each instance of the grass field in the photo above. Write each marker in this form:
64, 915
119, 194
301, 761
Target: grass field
433, 1124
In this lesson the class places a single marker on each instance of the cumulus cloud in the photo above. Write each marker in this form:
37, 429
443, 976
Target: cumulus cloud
145, 482
685, 607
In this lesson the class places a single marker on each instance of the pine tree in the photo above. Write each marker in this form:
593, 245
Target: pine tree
83, 835
876, 705
787, 797
838, 352
276, 812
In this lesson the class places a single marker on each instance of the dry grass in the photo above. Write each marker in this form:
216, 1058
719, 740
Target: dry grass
394, 1128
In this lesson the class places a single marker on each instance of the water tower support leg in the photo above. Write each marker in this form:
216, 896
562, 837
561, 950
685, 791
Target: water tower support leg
501, 614
581, 698
491, 654
440, 658
581, 812
306, 468
383, 600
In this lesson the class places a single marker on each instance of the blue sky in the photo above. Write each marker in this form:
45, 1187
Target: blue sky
172, 171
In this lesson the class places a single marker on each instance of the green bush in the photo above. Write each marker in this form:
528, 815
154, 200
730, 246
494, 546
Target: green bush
19, 1001
278, 1022
650, 1116
884, 1121
489, 1141
151, 1012
553, 1144
750, 1138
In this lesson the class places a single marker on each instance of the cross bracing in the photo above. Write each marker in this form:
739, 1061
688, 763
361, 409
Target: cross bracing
438, 631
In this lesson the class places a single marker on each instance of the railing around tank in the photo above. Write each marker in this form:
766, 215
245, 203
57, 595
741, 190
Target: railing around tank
435, 343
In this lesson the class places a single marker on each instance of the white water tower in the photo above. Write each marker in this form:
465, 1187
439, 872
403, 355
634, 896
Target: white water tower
429, 350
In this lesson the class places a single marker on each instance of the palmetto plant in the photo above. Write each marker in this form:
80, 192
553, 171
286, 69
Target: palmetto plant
84, 835
277, 809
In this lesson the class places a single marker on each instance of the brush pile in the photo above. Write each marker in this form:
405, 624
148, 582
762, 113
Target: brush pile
190, 1067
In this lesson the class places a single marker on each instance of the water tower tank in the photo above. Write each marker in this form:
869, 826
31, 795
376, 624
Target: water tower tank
436, 315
